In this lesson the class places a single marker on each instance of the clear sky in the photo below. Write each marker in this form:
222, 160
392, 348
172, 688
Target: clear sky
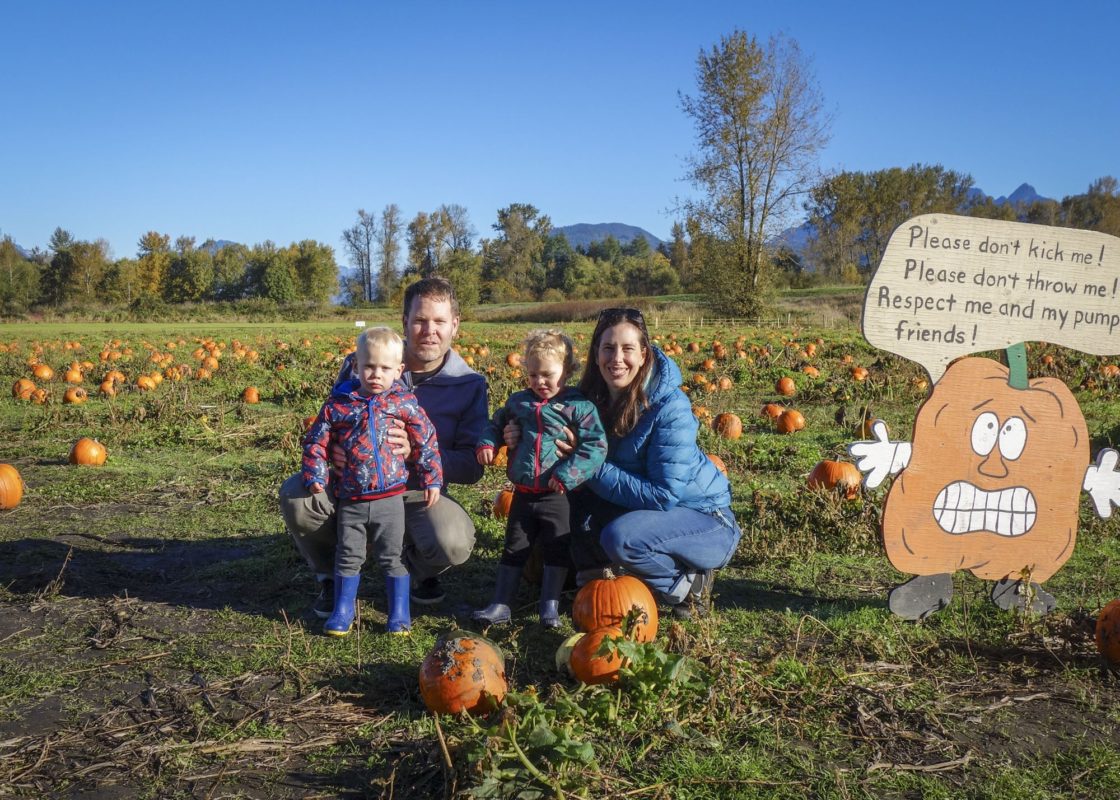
278, 120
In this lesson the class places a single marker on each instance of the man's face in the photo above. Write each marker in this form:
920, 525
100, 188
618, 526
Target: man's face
429, 329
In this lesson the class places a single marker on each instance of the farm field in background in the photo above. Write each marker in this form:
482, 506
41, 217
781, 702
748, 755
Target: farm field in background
155, 639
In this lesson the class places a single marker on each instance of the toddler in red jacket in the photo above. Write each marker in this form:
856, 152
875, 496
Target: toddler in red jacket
371, 486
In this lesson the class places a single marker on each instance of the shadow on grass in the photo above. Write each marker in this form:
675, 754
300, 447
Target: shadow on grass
246, 575
754, 595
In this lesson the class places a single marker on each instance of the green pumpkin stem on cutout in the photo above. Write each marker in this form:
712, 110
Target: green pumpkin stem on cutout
1017, 366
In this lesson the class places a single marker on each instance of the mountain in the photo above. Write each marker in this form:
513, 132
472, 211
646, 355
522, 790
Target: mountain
1023, 196
212, 246
583, 234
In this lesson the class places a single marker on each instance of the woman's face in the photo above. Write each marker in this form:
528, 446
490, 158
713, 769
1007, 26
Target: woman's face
620, 356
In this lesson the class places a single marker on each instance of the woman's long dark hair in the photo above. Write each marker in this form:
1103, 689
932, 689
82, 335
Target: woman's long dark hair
619, 417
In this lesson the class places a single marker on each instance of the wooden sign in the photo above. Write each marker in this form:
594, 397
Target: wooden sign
949, 286
991, 481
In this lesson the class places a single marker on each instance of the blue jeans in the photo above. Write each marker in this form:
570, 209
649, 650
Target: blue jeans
665, 548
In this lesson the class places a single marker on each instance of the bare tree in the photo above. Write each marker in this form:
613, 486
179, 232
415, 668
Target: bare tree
759, 124
388, 250
359, 244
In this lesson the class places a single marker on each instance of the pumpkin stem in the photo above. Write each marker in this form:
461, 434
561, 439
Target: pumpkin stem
1017, 366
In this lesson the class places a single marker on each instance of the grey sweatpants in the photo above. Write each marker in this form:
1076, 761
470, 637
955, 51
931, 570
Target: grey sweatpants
378, 522
434, 538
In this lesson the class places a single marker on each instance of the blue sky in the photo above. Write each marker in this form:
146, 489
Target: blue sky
252, 121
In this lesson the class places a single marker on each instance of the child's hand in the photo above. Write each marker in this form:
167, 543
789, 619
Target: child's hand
556, 486
431, 496
316, 488
485, 456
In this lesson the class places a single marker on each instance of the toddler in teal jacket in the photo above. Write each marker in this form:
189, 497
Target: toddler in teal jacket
540, 477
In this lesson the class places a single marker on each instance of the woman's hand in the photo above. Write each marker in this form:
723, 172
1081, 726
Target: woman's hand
511, 435
565, 446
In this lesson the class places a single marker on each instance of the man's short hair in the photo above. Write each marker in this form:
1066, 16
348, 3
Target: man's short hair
433, 288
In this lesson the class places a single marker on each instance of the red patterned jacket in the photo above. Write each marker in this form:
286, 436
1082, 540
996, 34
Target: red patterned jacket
359, 422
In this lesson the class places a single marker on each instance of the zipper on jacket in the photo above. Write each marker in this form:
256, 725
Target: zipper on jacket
373, 440
537, 449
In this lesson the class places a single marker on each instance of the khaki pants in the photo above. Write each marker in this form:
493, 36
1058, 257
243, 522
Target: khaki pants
434, 538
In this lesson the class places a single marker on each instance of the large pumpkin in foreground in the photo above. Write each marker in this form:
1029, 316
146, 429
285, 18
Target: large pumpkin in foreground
606, 602
463, 672
994, 482
585, 662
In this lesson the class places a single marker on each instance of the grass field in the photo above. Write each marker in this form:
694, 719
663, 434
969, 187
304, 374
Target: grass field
155, 639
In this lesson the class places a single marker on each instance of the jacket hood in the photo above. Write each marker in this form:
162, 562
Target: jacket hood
663, 379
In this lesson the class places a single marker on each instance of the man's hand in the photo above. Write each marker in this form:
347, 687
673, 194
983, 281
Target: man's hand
397, 437
485, 456
879, 457
337, 454
511, 435
431, 496
316, 488
556, 486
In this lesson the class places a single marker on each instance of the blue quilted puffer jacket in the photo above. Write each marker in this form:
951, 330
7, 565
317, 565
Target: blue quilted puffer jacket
659, 465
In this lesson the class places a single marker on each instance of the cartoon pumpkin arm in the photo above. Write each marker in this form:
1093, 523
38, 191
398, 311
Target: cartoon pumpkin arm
1102, 482
879, 457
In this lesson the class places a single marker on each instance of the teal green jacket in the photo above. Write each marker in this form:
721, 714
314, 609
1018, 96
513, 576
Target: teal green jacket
535, 459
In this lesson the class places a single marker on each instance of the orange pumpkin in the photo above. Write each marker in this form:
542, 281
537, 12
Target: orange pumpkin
501, 456
513, 360
463, 672
773, 410
811, 371
88, 452
728, 425
791, 420
718, 462
145, 383
72, 375
251, 395
859, 373
607, 601
11, 487
76, 395
786, 387
42, 372
39, 396
107, 388
981, 444
840, 475
502, 502
23, 388
586, 663
1108, 632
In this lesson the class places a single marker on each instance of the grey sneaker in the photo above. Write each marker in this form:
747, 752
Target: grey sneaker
427, 592
324, 603
701, 591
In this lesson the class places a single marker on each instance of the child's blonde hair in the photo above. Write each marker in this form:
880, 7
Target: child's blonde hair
381, 337
552, 344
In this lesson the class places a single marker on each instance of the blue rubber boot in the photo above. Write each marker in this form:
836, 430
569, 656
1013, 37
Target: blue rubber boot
345, 605
396, 588
552, 583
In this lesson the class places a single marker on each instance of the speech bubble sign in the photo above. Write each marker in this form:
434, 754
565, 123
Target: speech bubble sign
951, 285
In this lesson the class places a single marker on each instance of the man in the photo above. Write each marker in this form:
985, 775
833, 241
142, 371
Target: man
454, 397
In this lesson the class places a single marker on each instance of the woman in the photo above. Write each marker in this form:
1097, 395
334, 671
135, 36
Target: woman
658, 508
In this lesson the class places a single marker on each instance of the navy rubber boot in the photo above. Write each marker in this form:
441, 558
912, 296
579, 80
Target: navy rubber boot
552, 583
505, 589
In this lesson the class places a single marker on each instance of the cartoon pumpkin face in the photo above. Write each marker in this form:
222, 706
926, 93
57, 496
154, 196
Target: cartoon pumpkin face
994, 482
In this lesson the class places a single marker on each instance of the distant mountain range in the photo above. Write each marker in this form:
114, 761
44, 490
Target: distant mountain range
582, 234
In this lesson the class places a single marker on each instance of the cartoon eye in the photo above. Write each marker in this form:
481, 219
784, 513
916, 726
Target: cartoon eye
1012, 438
985, 432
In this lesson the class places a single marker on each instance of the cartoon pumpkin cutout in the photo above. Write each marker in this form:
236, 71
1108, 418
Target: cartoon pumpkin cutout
994, 482
991, 484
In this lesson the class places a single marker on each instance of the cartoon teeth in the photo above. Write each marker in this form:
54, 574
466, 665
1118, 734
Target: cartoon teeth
963, 508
